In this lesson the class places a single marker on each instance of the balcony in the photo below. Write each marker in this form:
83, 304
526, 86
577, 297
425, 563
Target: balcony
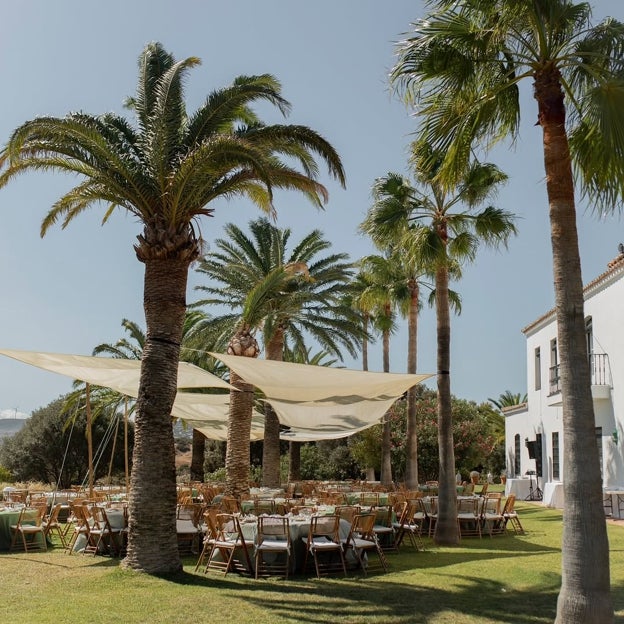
601, 380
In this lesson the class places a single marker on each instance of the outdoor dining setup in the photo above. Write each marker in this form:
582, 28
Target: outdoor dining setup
336, 528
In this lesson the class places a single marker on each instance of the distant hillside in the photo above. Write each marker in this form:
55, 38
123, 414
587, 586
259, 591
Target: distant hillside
9, 426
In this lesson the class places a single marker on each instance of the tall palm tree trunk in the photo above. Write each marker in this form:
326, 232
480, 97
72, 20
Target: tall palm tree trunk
294, 461
365, 343
271, 445
585, 583
198, 455
411, 466
386, 441
446, 531
152, 537
237, 455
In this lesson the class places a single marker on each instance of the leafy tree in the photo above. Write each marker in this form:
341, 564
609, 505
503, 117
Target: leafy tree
462, 65
473, 437
50, 449
430, 228
165, 171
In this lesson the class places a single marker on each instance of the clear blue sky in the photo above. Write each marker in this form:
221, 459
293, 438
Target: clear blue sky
69, 291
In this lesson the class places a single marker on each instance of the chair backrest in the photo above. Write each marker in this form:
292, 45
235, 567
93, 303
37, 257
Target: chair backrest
468, 506
29, 516
227, 527
325, 526
484, 489
362, 527
54, 513
408, 511
264, 506
275, 528
191, 512
347, 512
492, 503
430, 504
383, 515
369, 499
231, 505
468, 489
510, 504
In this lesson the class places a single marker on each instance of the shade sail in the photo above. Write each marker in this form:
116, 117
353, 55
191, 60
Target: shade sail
325, 417
119, 374
208, 413
286, 381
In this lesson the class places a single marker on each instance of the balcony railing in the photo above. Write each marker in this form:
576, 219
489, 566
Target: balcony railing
600, 370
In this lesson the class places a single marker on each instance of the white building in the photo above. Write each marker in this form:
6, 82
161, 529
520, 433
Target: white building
539, 420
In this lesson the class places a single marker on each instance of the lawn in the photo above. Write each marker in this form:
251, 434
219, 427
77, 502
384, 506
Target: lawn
513, 578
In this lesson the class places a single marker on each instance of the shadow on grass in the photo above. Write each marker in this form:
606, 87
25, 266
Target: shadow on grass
380, 599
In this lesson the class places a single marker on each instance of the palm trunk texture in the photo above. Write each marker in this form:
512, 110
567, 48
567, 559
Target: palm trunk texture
237, 456
386, 441
585, 581
271, 444
411, 452
446, 530
152, 537
198, 453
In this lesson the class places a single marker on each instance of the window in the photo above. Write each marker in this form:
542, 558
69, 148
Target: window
555, 456
517, 467
538, 369
554, 368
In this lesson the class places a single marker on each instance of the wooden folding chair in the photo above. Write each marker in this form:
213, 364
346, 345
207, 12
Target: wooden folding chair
30, 529
323, 542
273, 538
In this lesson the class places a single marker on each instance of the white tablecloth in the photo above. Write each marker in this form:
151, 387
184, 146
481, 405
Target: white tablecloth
553, 494
519, 487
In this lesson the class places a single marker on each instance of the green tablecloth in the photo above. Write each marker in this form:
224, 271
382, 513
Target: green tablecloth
8, 517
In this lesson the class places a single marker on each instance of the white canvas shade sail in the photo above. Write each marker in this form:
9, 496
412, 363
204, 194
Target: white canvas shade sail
328, 417
286, 381
208, 413
315, 402
118, 374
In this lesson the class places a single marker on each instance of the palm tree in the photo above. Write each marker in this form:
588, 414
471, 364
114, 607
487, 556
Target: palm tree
463, 64
434, 235
380, 273
508, 399
287, 295
407, 294
165, 171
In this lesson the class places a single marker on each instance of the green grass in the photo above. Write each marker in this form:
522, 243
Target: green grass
511, 579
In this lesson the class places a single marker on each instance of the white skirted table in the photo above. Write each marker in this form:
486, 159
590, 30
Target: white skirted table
519, 487
553, 494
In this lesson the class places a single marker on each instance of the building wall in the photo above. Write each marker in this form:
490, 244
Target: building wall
604, 303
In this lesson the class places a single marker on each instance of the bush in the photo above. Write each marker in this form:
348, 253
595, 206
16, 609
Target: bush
5, 475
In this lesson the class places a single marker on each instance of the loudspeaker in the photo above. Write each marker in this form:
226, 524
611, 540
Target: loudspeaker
531, 446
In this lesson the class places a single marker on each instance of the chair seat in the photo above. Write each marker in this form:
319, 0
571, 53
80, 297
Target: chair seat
273, 545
